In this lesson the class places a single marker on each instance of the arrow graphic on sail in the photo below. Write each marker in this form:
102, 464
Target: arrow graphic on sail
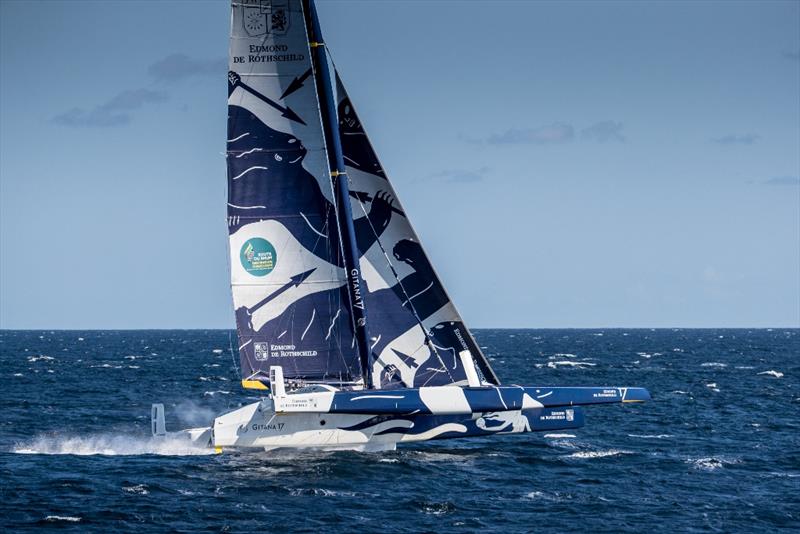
296, 84
234, 81
294, 281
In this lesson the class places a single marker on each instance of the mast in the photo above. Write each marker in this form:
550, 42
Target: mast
330, 126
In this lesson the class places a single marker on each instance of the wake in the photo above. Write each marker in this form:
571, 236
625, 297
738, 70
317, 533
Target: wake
110, 445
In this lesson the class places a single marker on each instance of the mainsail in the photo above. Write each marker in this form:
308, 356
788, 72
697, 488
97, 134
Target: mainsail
293, 152
287, 275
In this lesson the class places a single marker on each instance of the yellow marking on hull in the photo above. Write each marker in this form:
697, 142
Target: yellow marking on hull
218, 450
633, 400
253, 384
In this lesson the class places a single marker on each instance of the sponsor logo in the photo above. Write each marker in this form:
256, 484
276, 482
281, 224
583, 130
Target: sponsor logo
570, 415
258, 256
261, 351
290, 351
260, 17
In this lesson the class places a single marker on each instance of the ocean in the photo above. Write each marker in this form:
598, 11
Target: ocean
717, 449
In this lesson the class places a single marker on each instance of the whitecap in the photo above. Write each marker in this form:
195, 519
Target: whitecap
650, 436
218, 392
17, 374
554, 365
744, 367
772, 372
67, 518
559, 436
713, 364
217, 351
138, 489
711, 463
542, 496
40, 358
598, 454
321, 492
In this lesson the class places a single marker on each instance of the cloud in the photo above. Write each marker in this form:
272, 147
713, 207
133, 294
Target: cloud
546, 135
461, 175
782, 180
791, 56
603, 132
177, 67
737, 139
554, 134
115, 112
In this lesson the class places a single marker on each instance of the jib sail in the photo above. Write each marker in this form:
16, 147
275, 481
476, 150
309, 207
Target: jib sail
415, 330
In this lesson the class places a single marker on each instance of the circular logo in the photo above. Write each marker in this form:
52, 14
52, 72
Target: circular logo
258, 256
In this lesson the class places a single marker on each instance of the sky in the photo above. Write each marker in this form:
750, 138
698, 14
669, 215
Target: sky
601, 164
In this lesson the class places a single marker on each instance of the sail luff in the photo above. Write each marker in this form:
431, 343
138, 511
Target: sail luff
330, 125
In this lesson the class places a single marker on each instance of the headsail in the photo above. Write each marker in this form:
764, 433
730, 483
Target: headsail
288, 281
415, 330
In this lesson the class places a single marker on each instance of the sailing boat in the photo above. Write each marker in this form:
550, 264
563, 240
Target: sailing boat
342, 322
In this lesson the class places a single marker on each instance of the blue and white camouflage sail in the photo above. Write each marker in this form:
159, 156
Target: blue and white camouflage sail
416, 332
287, 272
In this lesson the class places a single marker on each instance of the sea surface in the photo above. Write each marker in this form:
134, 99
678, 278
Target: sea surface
717, 450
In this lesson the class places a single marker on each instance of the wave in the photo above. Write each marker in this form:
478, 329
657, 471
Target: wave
542, 496
67, 518
559, 436
40, 358
711, 463
772, 372
598, 454
554, 365
713, 364
110, 445
650, 436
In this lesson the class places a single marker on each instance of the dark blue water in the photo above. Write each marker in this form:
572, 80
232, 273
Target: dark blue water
717, 450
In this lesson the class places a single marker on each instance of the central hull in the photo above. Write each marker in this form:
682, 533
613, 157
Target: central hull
258, 425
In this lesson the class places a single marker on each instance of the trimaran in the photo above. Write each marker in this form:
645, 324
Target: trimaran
342, 323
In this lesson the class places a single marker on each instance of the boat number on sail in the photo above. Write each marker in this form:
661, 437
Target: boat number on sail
258, 256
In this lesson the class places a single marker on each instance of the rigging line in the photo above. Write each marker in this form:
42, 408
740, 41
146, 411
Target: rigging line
428, 340
233, 358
